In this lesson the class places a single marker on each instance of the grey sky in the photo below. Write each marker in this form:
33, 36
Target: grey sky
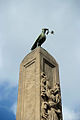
21, 22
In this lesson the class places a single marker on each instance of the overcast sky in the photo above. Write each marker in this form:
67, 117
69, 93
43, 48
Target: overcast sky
21, 22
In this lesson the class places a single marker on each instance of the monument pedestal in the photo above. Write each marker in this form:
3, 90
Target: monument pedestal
38, 75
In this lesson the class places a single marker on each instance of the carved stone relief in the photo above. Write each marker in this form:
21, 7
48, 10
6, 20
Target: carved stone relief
50, 100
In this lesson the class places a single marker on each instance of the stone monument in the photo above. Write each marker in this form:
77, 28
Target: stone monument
39, 96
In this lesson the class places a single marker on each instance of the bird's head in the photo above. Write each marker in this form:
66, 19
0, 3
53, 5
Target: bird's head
44, 30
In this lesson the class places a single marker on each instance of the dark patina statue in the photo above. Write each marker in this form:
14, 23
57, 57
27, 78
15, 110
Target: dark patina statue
42, 37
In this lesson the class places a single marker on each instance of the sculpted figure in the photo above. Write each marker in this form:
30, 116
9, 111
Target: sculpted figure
44, 113
43, 75
54, 103
43, 87
51, 100
56, 87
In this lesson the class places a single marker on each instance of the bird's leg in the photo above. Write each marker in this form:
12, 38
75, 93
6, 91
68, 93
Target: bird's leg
37, 44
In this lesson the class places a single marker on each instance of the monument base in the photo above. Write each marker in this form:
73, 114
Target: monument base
39, 96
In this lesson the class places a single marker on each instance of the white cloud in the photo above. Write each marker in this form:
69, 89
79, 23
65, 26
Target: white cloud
14, 108
69, 114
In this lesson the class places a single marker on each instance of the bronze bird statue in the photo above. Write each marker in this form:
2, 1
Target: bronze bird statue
42, 37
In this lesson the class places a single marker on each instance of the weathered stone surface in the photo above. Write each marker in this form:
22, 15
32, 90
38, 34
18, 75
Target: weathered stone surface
38, 75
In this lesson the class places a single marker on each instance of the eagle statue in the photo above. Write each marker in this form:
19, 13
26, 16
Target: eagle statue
42, 37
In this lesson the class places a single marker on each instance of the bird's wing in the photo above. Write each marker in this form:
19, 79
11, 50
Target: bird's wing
39, 37
35, 43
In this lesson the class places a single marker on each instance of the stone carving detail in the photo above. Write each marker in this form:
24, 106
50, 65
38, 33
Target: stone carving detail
50, 100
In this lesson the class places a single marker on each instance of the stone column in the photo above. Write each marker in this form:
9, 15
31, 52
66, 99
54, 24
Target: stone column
38, 65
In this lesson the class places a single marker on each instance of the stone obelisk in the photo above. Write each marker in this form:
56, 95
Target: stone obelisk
39, 96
